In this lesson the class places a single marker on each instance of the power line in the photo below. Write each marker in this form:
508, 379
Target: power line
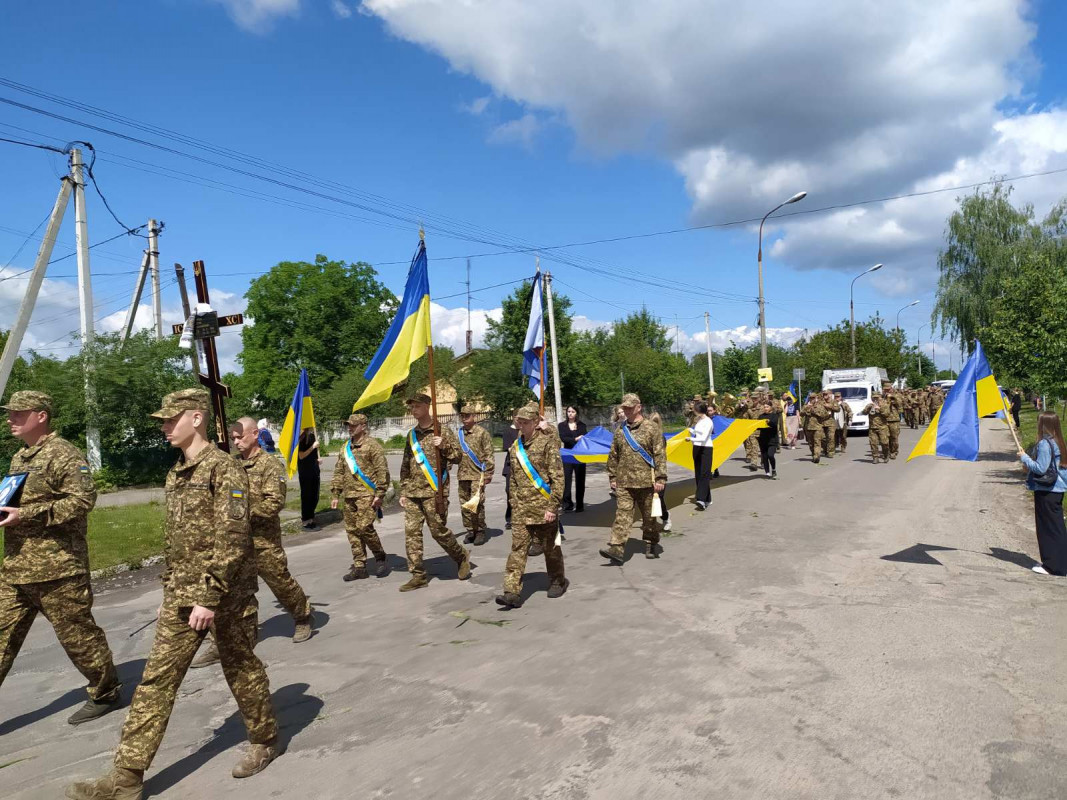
33, 144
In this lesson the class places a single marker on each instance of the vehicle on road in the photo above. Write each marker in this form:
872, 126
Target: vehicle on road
856, 386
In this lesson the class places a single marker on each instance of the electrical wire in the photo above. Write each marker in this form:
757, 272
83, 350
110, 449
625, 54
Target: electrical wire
33, 144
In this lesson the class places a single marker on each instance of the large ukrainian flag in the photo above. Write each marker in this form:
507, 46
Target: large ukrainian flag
407, 338
298, 419
953, 433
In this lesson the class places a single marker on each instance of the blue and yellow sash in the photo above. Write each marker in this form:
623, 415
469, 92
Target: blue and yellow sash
630, 440
421, 460
470, 453
543, 486
350, 457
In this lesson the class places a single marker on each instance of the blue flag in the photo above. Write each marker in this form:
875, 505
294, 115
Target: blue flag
533, 348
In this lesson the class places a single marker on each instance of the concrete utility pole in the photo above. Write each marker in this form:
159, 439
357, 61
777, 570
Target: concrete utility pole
557, 389
131, 312
153, 263
707, 337
470, 335
85, 304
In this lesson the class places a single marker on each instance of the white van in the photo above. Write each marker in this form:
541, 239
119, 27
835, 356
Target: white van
856, 387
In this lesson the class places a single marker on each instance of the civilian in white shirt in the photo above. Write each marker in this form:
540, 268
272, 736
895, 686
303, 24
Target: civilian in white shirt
700, 436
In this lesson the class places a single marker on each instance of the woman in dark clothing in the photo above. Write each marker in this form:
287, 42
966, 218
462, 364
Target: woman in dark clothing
307, 470
1046, 477
769, 439
570, 432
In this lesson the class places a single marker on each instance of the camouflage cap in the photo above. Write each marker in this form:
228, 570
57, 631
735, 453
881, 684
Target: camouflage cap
418, 398
528, 411
183, 400
698, 397
356, 419
468, 408
29, 401
629, 400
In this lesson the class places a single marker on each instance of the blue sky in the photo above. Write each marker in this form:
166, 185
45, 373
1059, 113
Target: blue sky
495, 122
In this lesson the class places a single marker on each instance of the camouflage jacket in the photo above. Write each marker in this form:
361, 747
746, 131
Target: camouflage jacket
370, 456
816, 412
528, 505
936, 400
413, 482
208, 545
481, 444
896, 407
627, 468
877, 416
49, 542
832, 407
266, 494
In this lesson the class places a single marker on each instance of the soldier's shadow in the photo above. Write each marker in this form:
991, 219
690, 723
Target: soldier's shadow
296, 710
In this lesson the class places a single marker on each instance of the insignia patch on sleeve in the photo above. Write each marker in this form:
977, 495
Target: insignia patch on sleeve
237, 493
83, 469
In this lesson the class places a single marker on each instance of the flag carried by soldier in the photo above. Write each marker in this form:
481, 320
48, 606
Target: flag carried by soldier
298, 419
793, 392
533, 348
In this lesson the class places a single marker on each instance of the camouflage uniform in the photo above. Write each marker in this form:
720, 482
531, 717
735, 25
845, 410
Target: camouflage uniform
813, 426
746, 410
46, 558
470, 478
634, 479
878, 433
528, 510
894, 407
842, 432
266, 499
420, 498
210, 563
829, 427
355, 497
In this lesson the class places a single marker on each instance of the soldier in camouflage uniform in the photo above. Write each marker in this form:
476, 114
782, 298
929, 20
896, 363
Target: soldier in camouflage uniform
747, 409
728, 405
474, 477
419, 497
829, 424
877, 412
210, 581
893, 408
816, 413
46, 558
361, 501
841, 431
635, 480
535, 509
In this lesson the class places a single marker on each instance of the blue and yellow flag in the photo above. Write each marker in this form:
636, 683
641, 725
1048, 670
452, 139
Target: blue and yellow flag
793, 392
298, 419
953, 433
407, 338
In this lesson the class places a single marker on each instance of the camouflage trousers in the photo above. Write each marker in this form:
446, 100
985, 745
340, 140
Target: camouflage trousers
172, 651
879, 439
473, 521
272, 566
418, 510
359, 525
829, 435
752, 450
815, 441
894, 439
521, 536
67, 603
841, 439
626, 500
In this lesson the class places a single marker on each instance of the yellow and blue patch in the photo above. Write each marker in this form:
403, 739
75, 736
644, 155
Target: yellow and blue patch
237, 494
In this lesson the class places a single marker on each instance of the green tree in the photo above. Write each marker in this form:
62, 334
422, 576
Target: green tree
736, 369
327, 316
876, 346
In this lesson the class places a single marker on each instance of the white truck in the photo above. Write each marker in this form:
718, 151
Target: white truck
856, 386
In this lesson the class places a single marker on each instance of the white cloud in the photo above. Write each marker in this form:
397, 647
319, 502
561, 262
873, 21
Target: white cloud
521, 131
477, 106
341, 9
257, 16
449, 326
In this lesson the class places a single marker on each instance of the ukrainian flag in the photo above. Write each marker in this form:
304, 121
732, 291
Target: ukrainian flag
298, 419
727, 434
407, 338
953, 433
792, 391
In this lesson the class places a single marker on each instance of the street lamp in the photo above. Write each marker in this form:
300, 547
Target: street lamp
759, 260
852, 308
909, 305
918, 348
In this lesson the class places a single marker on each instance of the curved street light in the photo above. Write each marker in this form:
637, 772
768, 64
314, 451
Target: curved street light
852, 308
909, 305
759, 260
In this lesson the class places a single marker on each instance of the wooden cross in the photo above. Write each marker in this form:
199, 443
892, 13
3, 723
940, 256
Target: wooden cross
206, 330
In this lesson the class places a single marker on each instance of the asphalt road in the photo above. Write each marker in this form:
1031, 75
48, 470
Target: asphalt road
849, 631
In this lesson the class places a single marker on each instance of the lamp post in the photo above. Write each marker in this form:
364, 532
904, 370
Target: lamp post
909, 305
759, 261
852, 308
918, 349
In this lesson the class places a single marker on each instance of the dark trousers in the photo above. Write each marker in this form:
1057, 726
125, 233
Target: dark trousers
1051, 531
309, 495
1015, 416
702, 470
577, 472
767, 456
507, 494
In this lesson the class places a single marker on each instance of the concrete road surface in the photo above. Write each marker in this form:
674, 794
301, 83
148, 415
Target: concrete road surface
849, 631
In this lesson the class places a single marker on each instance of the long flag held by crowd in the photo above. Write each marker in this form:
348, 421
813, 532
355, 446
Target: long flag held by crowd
533, 348
407, 338
953, 433
298, 418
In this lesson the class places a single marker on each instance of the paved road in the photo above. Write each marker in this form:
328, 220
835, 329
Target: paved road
773, 652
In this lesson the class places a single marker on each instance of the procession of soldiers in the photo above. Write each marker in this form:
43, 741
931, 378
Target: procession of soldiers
222, 532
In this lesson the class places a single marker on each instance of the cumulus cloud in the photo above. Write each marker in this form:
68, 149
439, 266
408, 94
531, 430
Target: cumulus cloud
259, 15
477, 106
341, 9
449, 326
522, 131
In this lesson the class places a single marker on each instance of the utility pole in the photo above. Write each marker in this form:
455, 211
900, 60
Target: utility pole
470, 337
44, 255
558, 390
707, 338
85, 304
131, 312
153, 263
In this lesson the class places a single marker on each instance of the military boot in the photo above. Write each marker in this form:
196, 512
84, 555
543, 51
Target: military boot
536, 549
415, 582
469, 537
479, 538
356, 573
209, 656
614, 553
464, 566
94, 708
559, 589
302, 631
650, 550
255, 759
383, 567
509, 600
118, 784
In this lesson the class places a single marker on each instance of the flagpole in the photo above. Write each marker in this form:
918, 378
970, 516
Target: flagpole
557, 388
439, 501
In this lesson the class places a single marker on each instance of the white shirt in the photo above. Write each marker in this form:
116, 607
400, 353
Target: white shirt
700, 433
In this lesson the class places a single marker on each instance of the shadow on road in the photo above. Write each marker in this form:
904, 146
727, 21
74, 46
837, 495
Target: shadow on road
1012, 557
295, 709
